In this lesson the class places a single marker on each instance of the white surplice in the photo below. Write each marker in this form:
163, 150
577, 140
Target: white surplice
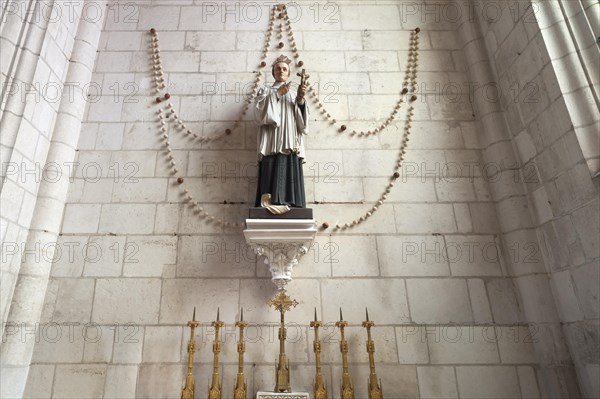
282, 124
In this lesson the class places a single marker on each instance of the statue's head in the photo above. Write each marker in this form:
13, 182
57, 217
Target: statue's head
281, 68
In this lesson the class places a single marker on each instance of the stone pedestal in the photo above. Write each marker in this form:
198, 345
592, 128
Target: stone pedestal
281, 239
281, 395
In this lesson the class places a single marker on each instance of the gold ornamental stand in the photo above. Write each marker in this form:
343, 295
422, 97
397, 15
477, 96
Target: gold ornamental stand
283, 303
189, 390
319, 389
240, 388
347, 389
375, 391
214, 392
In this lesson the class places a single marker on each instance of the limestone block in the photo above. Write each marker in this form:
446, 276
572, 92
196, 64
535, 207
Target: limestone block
412, 256
110, 135
207, 190
516, 344
503, 301
464, 345
424, 218
141, 190
159, 17
161, 380
473, 255
328, 85
310, 18
164, 168
39, 381
207, 18
161, 344
479, 301
167, 218
437, 382
339, 189
79, 381
122, 41
104, 109
382, 221
357, 17
463, 218
120, 381
387, 302
126, 301
454, 308
332, 41
127, 218
535, 293
478, 382
181, 61
104, 256
213, 41
251, 41
330, 61
98, 346
412, 344
185, 84
564, 291
232, 61
354, 256
585, 278
406, 189
484, 218
209, 256
528, 382
179, 296
372, 61
147, 256
74, 300
87, 136
128, 343
585, 220
80, 218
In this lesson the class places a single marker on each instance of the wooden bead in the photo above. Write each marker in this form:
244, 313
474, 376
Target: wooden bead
167, 96
343, 127
180, 180
300, 63
280, 45
325, 225
418, 30
153, 31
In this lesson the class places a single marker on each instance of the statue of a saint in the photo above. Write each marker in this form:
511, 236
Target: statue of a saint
282, 117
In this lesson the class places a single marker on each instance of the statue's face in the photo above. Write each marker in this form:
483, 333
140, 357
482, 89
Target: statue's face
281, 72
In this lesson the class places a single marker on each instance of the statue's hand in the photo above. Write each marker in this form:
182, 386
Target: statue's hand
301, 93
283, 89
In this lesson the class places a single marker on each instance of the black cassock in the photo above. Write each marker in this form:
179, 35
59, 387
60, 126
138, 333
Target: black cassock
282, 124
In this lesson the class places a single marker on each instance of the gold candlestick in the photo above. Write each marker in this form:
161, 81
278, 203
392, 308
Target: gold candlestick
319, 389
214, 392
239, 390
375, 391
282, 302
347, 389
189, 389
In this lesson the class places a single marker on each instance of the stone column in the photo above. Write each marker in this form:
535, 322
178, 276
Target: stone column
29, 294
557, 375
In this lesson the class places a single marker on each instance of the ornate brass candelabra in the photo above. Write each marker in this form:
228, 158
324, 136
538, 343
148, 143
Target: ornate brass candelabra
189, 390
347, 389
319, 389
375, 391
239, 390
214, 392
282, 302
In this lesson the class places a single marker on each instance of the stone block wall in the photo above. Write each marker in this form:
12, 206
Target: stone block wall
434, 265
556, 170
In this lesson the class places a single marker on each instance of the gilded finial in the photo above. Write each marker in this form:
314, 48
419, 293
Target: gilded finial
319, 388
341, 317
240, 387
194, 315
367, 312
375, 391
